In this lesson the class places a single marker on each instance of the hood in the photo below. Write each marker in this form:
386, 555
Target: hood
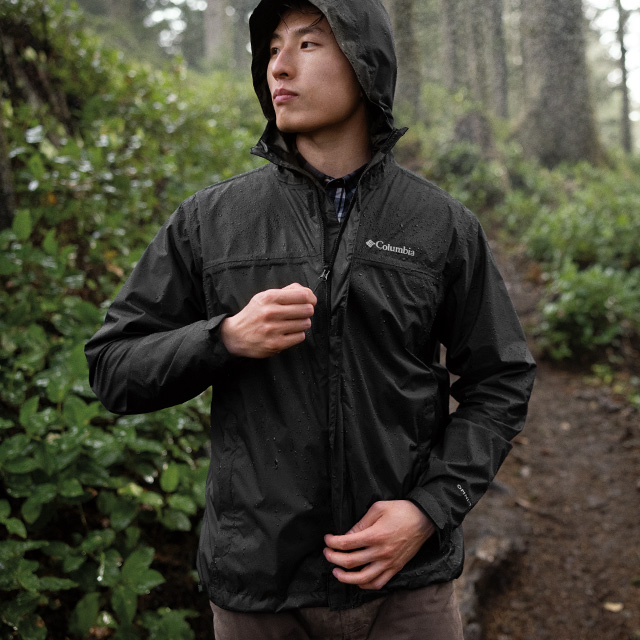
363, 31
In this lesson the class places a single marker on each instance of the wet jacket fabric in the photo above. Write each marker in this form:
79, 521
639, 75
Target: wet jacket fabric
304, 442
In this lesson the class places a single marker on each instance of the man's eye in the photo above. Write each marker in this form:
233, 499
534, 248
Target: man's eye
306, 45
274, 51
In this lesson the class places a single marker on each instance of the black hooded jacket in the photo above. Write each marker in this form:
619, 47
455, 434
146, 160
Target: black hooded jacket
304, 442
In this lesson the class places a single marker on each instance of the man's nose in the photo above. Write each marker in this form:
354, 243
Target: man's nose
283, 63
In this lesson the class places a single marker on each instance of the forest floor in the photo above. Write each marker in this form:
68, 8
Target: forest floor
553, 549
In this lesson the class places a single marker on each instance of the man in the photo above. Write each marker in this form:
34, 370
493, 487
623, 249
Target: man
313, 295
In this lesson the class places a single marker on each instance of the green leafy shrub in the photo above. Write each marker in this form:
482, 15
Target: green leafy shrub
598, 222
461, 169
583, 224
99, 513
586, 311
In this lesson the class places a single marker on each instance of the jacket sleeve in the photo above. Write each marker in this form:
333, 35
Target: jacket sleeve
487, 349
157, 348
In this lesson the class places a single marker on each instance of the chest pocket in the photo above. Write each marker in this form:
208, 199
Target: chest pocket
393, 302
229, 286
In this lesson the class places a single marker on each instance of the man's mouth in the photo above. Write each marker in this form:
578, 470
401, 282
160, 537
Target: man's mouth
280, 96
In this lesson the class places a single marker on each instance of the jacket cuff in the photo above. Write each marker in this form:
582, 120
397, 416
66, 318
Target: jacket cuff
429, 506
219, 353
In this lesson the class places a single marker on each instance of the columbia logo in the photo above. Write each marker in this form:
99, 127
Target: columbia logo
383, 246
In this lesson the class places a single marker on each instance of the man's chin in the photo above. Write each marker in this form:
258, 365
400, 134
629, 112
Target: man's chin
290, 125
287, 127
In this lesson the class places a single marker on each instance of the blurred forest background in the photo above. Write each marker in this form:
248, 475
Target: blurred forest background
112, 112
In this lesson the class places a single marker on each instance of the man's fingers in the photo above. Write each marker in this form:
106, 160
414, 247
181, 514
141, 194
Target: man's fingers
294, 294
361, 534
349, 541
378, 582
349, 560
373, 576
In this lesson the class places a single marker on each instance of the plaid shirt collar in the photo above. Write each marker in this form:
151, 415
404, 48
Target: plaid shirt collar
339, 190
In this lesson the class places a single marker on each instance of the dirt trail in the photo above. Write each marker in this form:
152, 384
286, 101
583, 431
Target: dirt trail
554, 548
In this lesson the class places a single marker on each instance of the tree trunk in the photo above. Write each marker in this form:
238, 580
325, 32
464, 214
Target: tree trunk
558, 123
7, 198
476, 49
409, 76
215, 33
241, 58
623, 16
454, 44
498, 58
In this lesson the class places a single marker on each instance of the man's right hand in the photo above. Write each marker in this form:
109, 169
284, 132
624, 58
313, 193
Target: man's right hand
273, 321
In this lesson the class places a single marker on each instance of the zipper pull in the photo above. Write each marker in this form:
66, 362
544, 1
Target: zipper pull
324, 276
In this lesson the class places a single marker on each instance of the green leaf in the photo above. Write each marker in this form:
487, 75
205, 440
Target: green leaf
170, 477
152, 499
13, 447
85, 613
109, 569
51, 583
144, 581
183, 503
30, 510
36, 167
22, 225
32, 628
5, 510
124, 602
77, 360
132, 536
21, 465
43, 422
16, 526
176, 520
168, 624
122, 514
23, 604
131, 489
49, 244
73, 563
25, 574
8, 266
28, 409
97, 540
57, 384
71, 488
137, 561
42, 494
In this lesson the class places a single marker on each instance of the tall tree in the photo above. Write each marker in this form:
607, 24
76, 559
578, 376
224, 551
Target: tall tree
241, 57
215, 32
7, 198
409, 73
497, 45
454, 48
474, 51
475, 23
623, 17
558, 123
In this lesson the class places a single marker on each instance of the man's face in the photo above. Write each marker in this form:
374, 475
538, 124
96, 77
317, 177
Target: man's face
313, 87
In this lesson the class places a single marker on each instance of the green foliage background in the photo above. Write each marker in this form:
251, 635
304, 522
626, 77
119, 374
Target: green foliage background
97, 510
99, 513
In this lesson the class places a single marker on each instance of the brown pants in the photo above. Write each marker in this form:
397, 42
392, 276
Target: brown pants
424, 614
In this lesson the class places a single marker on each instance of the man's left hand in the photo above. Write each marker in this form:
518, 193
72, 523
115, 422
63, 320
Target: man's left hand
386, 538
